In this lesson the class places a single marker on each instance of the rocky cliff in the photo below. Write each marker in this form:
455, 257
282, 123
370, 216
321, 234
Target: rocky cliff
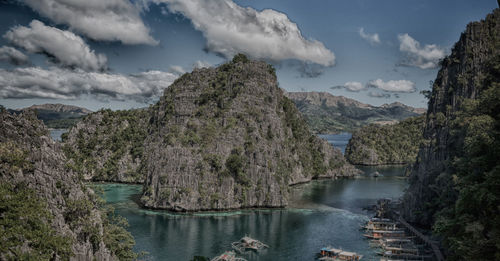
386, 144
108, 145
454, 184
226, 138
326, 113
46, 211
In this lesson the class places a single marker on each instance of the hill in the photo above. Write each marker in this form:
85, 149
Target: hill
47, 213
455, 183
326, 113
219, 138
386, 144
57, 116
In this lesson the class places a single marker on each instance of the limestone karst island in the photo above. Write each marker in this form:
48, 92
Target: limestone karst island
232, 130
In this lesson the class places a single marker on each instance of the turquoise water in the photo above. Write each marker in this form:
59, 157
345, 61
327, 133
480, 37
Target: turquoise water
321, 213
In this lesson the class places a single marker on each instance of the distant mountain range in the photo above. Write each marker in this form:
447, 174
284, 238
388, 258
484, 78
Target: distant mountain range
326, 113
57, 116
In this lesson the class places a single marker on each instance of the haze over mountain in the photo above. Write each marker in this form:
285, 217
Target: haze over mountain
326, 113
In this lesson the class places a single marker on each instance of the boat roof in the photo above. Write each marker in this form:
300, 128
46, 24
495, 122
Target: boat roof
248, 239
344, 253
331, 249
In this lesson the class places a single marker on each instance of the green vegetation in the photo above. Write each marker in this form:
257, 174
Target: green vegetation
388, 144
467, 209
347, 115
25, 230
117, 134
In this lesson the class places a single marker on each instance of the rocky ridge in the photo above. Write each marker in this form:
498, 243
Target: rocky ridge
454, 182
326, 113
68, 223
227, 138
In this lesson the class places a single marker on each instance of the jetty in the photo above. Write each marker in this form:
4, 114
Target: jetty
248, 243
228, 256
397, 239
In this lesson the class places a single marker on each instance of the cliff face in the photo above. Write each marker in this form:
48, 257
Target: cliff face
108, 145
228, 138
388, 144
46, 211
454, 182
326, 113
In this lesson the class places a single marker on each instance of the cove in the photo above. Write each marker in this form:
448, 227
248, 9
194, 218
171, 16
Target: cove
321, 213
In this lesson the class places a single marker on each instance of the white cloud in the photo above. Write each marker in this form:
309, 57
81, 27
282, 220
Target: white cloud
230, 29
201, 64
423, 57
105, 20
13, 56
350, 86
64, 47
373, 39
393, 86
176, 69
57, 83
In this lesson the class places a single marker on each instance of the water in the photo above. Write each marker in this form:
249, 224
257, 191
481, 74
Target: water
337, 140
321, 213
56, 133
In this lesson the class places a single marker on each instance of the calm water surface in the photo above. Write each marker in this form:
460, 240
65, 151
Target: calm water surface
322, 213
337, 140
56, 133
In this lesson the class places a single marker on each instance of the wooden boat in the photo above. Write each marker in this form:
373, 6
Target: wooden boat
248, 243
335, 254
379, 234
228, 256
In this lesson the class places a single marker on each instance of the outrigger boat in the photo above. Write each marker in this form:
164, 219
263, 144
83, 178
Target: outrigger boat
334, 254
248, 243
228, 256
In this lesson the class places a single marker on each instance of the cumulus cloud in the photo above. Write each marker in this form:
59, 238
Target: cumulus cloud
373, 39
176, 69
201, 64
423, 57
392, 86
379, 95
230, 29
63, 47
110, 20
58, 83
350, 86
13, 56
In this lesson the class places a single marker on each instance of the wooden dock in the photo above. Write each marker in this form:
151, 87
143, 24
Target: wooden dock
433, 244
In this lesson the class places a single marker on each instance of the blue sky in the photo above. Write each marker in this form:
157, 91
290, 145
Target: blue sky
131, 51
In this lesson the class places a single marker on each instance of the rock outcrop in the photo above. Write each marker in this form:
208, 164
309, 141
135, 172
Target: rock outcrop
454, 182
386, 144
326, 113
227, 138
108, 145
46, 212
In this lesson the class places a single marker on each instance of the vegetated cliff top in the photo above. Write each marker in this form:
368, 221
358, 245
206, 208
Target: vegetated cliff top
388, 144
326, 113
454, 182
227, 137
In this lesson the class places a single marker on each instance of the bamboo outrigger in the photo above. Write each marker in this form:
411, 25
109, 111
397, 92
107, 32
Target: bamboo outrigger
334, 254
228, 256
248, 243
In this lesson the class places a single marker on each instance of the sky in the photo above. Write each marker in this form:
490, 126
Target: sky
122, 54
